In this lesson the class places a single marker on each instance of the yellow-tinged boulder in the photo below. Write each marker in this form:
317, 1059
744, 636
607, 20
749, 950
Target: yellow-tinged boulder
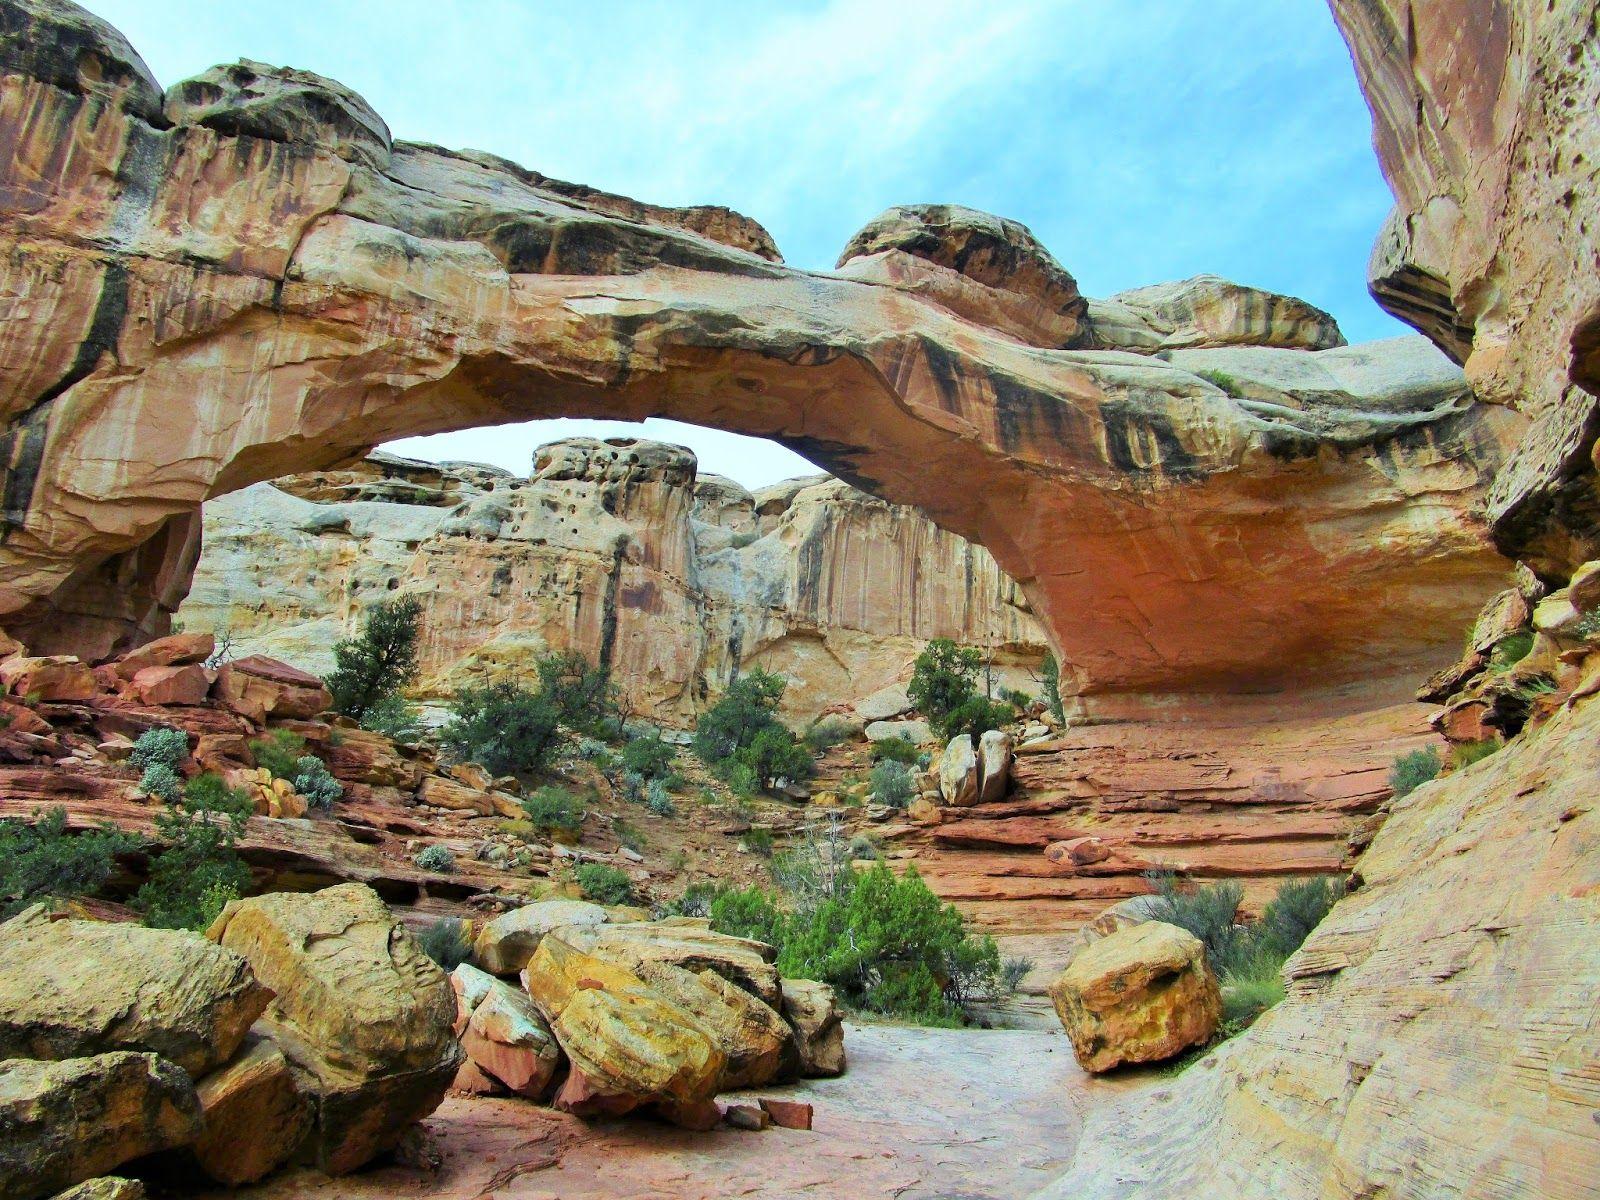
106, 1187
754, 1039
813, 1013
628, 1044
64, 1122
363, 1015
687, 942
255, 1115
71, 989
1141, 994
504, 945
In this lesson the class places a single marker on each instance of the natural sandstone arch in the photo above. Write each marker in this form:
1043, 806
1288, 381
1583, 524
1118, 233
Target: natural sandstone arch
245, 277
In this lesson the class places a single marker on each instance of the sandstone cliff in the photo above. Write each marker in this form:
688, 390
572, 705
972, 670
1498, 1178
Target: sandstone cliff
617, 549
246, 276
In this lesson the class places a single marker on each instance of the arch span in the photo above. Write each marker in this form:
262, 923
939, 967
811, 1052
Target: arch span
1198, 486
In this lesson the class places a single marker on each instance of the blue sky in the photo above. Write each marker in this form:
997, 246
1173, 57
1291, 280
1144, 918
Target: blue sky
1141, 140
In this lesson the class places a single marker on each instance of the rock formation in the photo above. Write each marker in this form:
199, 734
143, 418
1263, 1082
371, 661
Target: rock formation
1439, 1036
1483, 120
617, 549
246, 276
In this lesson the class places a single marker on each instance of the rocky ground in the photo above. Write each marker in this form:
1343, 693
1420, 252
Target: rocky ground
922, 1114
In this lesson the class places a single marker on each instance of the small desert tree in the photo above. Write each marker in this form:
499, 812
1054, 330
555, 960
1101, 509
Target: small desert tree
383, 659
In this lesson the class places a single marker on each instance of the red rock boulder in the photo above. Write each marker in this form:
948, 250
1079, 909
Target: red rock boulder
258, 687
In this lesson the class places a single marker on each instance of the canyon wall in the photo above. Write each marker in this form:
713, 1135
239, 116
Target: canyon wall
245, 276
1441, 1034
617, 549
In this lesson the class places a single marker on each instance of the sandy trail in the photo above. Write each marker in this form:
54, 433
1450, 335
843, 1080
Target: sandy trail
921, 1114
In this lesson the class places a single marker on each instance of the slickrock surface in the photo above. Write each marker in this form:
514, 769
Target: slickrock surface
203, 295
921, 1114
1439, 1038
617, 549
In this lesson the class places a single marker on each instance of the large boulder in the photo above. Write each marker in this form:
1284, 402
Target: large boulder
177, 650
628, 1044
255, 1116
994, 765
755, 1040
503, 1034
71, 989
504, 945
1142, 994
258, 687
50, 678
363, 1015
1209, 311
281, 104
989, 269
106, 1187
687, 942
64, 1122
958, 772
812, 1011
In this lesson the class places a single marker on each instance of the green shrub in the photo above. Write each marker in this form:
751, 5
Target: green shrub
942, 680
1050, 673
1588, 625
741, 738
893, 784
41, 859
759, 841
896, 749
504, 727
445, 941
659, 800
748, 706
1464, 754
313, 780
887, 944
199, 872
649, 757
975, 717
1207, 912
1411, 771
604, 884
380, 661
1017, 698
435, 858
628, 835
554, 808
1013, 971
696, 901
1293, 913
580, 692
396, 718
279, 752
161, 782
1511, 649
864, 849
828, 733
162, 746
1249, 990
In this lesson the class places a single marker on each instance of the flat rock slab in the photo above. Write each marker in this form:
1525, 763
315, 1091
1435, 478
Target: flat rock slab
922, 1113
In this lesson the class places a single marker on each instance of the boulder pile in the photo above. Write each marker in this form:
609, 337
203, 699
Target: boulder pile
302, 1028
612, 1013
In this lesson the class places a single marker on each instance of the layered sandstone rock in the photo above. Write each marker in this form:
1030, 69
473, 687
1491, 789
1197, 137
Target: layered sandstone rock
617, 549
1483, 120
249, 251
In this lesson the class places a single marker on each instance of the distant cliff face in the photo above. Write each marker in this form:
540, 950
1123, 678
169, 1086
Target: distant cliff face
617, 549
